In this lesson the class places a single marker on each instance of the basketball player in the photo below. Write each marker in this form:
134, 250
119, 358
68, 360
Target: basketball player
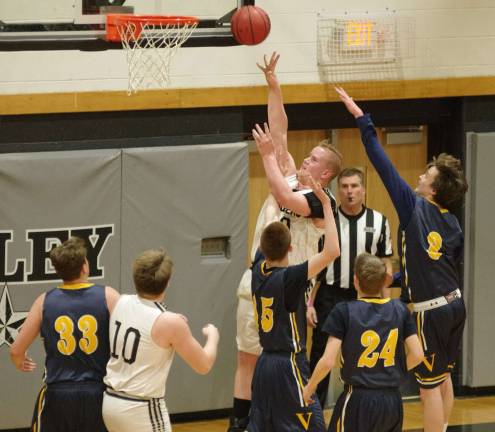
371, 332
278, 295
432, 247
360, 229
144, 337
73, 321
325, 164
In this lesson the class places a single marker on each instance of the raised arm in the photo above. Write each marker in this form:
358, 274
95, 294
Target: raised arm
277, 117
171, 329
401, 194
331, 248
28, 333
279, 188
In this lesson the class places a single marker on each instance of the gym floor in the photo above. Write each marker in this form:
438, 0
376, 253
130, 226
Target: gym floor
474, 414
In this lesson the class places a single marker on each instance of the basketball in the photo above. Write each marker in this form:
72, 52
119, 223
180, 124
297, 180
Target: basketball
250, 25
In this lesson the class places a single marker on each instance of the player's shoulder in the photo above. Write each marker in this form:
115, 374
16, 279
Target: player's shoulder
342, 308
171, 321
399, 305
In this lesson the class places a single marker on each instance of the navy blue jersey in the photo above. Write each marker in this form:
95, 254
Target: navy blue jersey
280, 312
372, 331
430, 239
74, 329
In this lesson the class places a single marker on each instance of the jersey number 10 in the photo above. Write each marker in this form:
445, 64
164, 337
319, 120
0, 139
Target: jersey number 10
131, 336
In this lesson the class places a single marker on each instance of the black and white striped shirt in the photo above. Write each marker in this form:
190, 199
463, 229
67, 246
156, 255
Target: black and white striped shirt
368, 231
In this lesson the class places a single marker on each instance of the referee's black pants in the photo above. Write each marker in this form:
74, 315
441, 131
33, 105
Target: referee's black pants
326, 298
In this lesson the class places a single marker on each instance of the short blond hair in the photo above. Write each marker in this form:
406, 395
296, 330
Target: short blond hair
335, 158
371, 273
152, 270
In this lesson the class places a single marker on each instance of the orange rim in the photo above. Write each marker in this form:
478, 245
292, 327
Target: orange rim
116, 21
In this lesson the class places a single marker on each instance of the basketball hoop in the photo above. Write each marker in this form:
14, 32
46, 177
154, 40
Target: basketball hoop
149, 42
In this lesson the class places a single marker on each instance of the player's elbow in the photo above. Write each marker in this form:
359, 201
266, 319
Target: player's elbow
331, 253
328, 363
205, 365
203, 368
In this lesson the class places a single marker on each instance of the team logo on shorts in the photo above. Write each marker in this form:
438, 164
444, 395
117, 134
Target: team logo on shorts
304, 418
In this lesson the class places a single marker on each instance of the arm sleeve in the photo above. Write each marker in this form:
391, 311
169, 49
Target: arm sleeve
295, 282
400, 192
337, 322
315, 206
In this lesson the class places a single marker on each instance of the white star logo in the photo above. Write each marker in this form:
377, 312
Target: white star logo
10, 321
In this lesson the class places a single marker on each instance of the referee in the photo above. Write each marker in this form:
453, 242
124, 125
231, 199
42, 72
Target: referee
360, 229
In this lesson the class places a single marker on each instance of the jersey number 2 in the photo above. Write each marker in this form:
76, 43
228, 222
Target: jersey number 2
370, 340
88, 326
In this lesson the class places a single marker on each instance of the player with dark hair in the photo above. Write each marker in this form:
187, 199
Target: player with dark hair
431, 248
144, 337
371, 333
279, 298
73, 322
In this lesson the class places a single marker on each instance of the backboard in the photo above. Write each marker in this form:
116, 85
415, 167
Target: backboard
80, 24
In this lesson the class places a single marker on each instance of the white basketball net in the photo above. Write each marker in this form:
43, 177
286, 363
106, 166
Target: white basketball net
149, 52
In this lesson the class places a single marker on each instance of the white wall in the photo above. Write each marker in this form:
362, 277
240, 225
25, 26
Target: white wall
454, 38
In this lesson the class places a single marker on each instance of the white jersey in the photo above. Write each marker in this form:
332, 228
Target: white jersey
137, 365
304, 235
270, 212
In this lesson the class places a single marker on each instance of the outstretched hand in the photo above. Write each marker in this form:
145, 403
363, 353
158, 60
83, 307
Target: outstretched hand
269, 68
349, 103
263, 139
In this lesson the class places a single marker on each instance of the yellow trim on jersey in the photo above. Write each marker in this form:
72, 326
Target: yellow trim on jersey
298, 376
76, 286
39, 409
431, 381
404, 266
263, 268
442, 210
444, 375
293, 322
375, 300
419, 327
342, 415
